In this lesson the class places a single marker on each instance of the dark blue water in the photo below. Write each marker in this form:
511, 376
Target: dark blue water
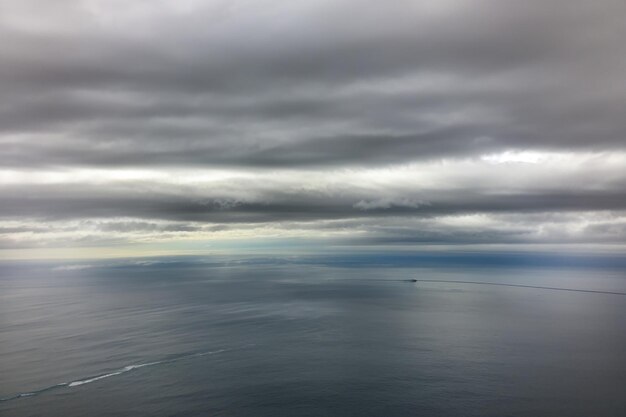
200, 337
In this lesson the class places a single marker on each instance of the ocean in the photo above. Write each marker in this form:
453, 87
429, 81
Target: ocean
327, 336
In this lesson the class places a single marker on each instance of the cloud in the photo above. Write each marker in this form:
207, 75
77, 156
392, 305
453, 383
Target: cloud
322, 83
389, 203
146, 118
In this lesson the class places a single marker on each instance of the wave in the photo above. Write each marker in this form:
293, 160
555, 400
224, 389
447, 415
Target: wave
76, 267
116, 372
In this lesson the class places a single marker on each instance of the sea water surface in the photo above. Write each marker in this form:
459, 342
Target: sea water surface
298, 337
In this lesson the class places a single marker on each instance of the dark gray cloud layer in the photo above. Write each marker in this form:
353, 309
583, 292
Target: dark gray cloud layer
313, 90
319, 83
57, 203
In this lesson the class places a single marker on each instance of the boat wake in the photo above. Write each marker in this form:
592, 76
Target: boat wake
116, 372
517, 286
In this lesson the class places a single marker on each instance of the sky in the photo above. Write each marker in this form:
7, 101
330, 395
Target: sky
151, 127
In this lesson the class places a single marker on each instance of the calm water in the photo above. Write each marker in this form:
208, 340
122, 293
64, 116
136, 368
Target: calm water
205, 338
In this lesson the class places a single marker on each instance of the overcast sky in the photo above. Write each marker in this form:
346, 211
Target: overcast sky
127, 125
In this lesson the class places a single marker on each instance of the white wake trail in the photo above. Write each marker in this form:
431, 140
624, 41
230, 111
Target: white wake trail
113, 373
